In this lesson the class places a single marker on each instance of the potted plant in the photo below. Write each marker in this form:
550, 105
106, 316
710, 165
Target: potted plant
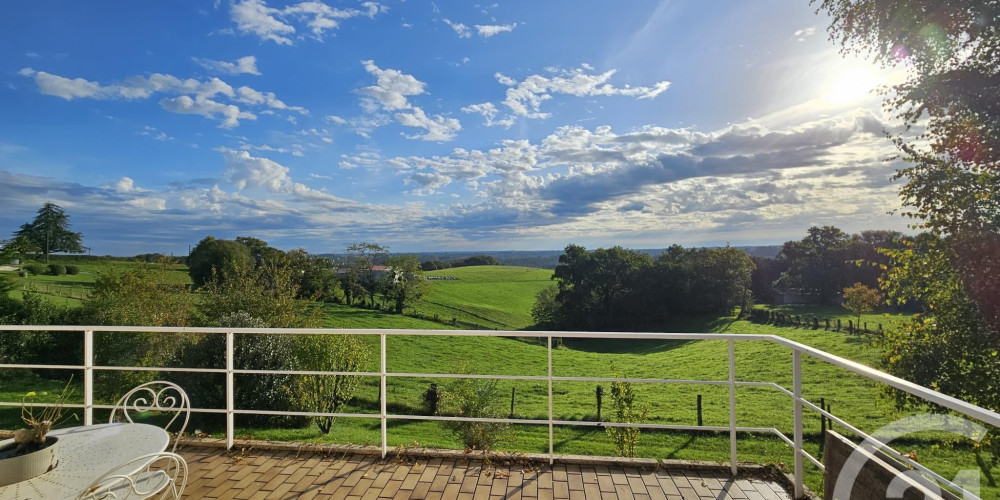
33, 451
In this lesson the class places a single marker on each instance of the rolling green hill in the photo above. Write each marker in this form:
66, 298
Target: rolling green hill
496, 297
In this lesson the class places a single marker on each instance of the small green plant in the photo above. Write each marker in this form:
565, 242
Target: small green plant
57, 269
627, 411
34, 269
41, 422
474, 398
861, 299
72, 270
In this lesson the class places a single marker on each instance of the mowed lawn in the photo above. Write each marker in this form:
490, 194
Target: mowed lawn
496, 297
71, 290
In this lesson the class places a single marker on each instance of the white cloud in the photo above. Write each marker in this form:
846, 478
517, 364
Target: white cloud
800, 35
439, 128
247, 171
156, 134
489, 30
254, 16
125, 185
336, 119
154, 204
278, 25
229, 114
202, 103
489, 112
390, 93
243, 65
250, 96
462, 30
525, 98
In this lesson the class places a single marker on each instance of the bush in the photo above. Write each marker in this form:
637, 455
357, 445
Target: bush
72, 270
22, 273
57, 269
35, 269
474, 398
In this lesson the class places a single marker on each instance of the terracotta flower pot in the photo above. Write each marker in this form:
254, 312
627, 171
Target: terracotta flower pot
14, 469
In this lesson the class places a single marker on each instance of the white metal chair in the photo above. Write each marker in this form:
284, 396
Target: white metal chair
158, 396
162, 475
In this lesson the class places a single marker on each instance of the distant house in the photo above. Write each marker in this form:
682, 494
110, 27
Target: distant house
796, 296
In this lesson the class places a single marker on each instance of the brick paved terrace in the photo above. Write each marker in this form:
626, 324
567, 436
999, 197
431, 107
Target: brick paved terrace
256, 474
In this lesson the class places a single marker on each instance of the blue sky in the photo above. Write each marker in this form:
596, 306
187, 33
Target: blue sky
438, 125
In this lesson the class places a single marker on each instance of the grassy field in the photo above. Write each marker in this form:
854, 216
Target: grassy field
71, 290
497, 297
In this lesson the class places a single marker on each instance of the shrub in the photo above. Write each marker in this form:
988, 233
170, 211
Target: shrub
474, 398
626, 412
72, 270
57, 269
34, 269
22, 273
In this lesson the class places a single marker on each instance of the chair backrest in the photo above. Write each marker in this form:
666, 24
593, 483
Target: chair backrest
158, 396
162, 475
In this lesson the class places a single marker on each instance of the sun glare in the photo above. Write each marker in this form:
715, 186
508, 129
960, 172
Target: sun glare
853, 85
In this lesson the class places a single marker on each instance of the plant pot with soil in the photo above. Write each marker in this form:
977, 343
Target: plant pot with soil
33, 452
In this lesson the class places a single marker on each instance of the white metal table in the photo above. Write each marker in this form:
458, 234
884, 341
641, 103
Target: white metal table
86, 454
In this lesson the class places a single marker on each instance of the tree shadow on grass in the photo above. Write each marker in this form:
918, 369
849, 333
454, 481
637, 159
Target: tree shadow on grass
622, 346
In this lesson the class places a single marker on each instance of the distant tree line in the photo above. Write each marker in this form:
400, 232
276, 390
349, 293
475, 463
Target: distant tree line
475, 260
622, 289
825, 262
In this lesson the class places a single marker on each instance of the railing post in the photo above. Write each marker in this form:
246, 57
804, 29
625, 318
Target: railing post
552, 452
88, 377
797, 399
732, 406
385, 445
230, 393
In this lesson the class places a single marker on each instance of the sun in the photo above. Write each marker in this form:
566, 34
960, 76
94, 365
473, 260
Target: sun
851, 86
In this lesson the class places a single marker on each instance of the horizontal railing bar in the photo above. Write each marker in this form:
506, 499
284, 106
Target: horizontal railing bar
302, 372
783, 437
976, 412
813, 459
43, 367
157, 369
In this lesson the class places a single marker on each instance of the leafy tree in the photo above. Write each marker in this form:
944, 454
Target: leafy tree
859, 298
218, 256
949, 50
360, 279
136, 296
545, 307
335, 353
405, 282
318, 280
49, 231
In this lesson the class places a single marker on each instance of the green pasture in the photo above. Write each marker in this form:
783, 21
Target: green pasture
496, 297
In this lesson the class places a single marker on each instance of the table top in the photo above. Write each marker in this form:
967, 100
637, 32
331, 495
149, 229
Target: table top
85, 454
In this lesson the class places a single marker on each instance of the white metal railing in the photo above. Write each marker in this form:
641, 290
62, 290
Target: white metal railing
797, 350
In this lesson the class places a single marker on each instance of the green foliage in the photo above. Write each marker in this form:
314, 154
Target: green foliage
860, 299
545, 308
328, 393
35, 269
219, 256
72, 270
473, 398
615, 289
626, 411
57, 269
948, 50
38, 347
318, 280
49, 232
828, 260
404, 283
360, 280
136, 296
266, 292
6, 286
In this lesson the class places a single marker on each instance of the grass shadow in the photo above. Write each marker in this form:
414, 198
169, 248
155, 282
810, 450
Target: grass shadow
622, 346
